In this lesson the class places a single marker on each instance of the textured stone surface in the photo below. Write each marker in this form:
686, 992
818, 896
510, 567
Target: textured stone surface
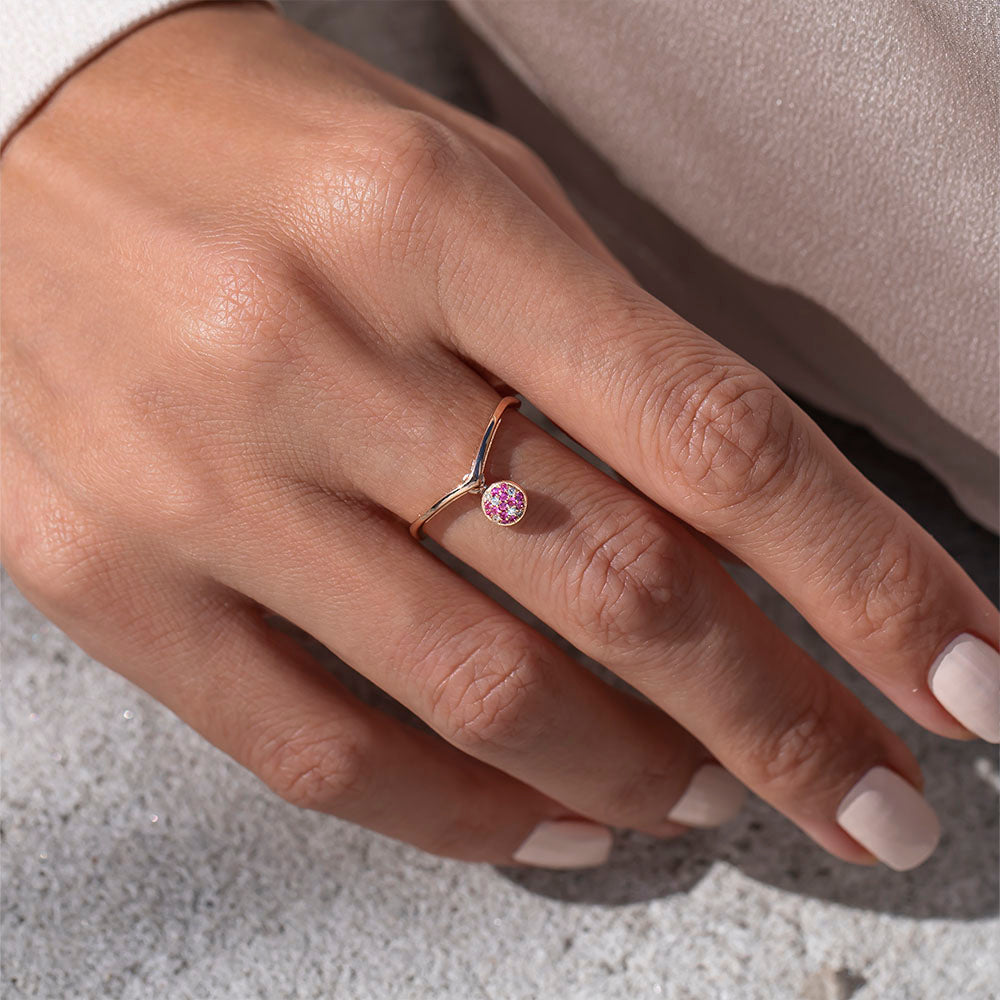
139, 862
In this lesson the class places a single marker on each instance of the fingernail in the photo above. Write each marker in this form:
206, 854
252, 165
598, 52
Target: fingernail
712, 797
566, 843
886, 814
965, 678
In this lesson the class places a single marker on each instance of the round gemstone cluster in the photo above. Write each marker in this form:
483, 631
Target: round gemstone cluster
504, 502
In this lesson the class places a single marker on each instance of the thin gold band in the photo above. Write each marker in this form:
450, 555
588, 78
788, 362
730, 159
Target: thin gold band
475, 481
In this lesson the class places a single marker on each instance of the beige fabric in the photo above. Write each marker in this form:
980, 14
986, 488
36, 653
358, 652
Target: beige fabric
844, 151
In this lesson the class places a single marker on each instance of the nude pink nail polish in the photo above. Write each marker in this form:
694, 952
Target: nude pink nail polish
886, 815
566, 843
713, 797
965, 679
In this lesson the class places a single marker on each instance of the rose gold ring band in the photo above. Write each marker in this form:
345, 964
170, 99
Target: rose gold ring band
503, 502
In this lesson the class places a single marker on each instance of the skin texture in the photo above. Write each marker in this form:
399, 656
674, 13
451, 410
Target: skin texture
257, 300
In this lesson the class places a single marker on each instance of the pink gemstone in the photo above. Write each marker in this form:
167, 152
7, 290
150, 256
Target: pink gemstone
504, 502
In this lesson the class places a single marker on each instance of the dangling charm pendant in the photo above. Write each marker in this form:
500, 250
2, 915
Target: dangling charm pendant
504, 502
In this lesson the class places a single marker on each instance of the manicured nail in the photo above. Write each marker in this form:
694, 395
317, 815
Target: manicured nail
566, 843
965, 678
886, 814
712, 797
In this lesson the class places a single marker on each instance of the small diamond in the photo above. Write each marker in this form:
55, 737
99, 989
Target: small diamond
504, 502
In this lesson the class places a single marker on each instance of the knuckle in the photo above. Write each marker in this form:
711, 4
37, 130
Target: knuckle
726, 430
482, 697
424, 171
57, 559
402, 168
809, 744
886, 594
793, 748
324, 771
630, 580
421, 146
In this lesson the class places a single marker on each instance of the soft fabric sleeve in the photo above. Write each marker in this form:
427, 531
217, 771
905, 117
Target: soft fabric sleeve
42, 42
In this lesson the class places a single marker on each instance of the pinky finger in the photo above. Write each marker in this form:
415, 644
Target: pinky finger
257, 695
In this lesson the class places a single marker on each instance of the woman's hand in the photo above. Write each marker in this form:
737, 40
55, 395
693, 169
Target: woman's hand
257, 296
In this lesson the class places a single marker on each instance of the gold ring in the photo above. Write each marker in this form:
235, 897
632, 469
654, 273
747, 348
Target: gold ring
503, 502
